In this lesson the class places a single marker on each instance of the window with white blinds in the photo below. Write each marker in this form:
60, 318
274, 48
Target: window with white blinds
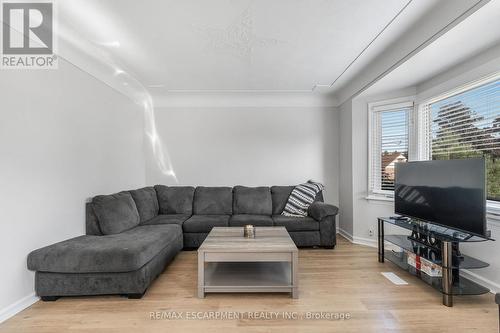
389, 143
464, 124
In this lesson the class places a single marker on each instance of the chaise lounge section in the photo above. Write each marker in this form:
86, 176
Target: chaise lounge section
131, 236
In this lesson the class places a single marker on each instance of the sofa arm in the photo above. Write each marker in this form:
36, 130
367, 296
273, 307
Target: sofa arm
319, 210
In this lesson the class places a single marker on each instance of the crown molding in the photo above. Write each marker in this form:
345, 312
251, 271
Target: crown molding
243, 98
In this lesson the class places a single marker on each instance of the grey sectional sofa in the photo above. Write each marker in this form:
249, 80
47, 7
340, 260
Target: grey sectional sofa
131, 236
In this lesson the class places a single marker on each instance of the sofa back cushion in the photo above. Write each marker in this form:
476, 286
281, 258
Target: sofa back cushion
91, 222
213, 200
116, 212
280, 196
146, 203
175, 199
252, 200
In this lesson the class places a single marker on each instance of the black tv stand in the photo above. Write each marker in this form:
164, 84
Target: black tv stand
437, 244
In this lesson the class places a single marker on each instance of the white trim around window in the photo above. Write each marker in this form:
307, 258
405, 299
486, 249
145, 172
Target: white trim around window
375, 109
462, 88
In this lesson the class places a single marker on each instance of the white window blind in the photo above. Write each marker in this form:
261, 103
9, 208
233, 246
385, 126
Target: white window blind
464, 124
389, 144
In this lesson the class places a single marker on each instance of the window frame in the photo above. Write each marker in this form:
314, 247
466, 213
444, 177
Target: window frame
373, 109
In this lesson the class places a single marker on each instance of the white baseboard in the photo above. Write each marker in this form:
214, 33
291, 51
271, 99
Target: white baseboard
345, 234
365, 241
494, 287
17, 307
357, 240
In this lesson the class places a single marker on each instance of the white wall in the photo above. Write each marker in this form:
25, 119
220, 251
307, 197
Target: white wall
345, 170
64, 137
250, 146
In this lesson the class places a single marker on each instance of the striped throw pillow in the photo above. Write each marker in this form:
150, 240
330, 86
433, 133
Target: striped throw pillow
301, 198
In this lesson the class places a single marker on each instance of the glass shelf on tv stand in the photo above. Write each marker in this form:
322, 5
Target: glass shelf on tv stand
407, 243
440, 232
460, 285
446, 254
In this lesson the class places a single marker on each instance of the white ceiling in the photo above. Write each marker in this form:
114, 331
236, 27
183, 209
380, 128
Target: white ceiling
476, 34
233, 45
169, 48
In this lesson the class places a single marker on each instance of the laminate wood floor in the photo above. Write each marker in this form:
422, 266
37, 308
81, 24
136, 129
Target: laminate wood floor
346, 281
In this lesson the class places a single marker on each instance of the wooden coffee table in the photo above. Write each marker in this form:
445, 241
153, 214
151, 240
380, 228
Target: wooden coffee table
228, 262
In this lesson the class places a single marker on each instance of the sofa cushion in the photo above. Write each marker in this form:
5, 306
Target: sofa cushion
296, 223
252, 200
146, 202
280, 196
256, 220
175, 199
213, 200
167, 219
194, 239
124, 252
115, 212
205, 223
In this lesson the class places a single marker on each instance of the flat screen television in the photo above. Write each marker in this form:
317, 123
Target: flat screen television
451, 193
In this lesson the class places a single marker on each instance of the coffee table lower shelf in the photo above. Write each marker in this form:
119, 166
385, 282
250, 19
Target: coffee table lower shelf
248, 277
